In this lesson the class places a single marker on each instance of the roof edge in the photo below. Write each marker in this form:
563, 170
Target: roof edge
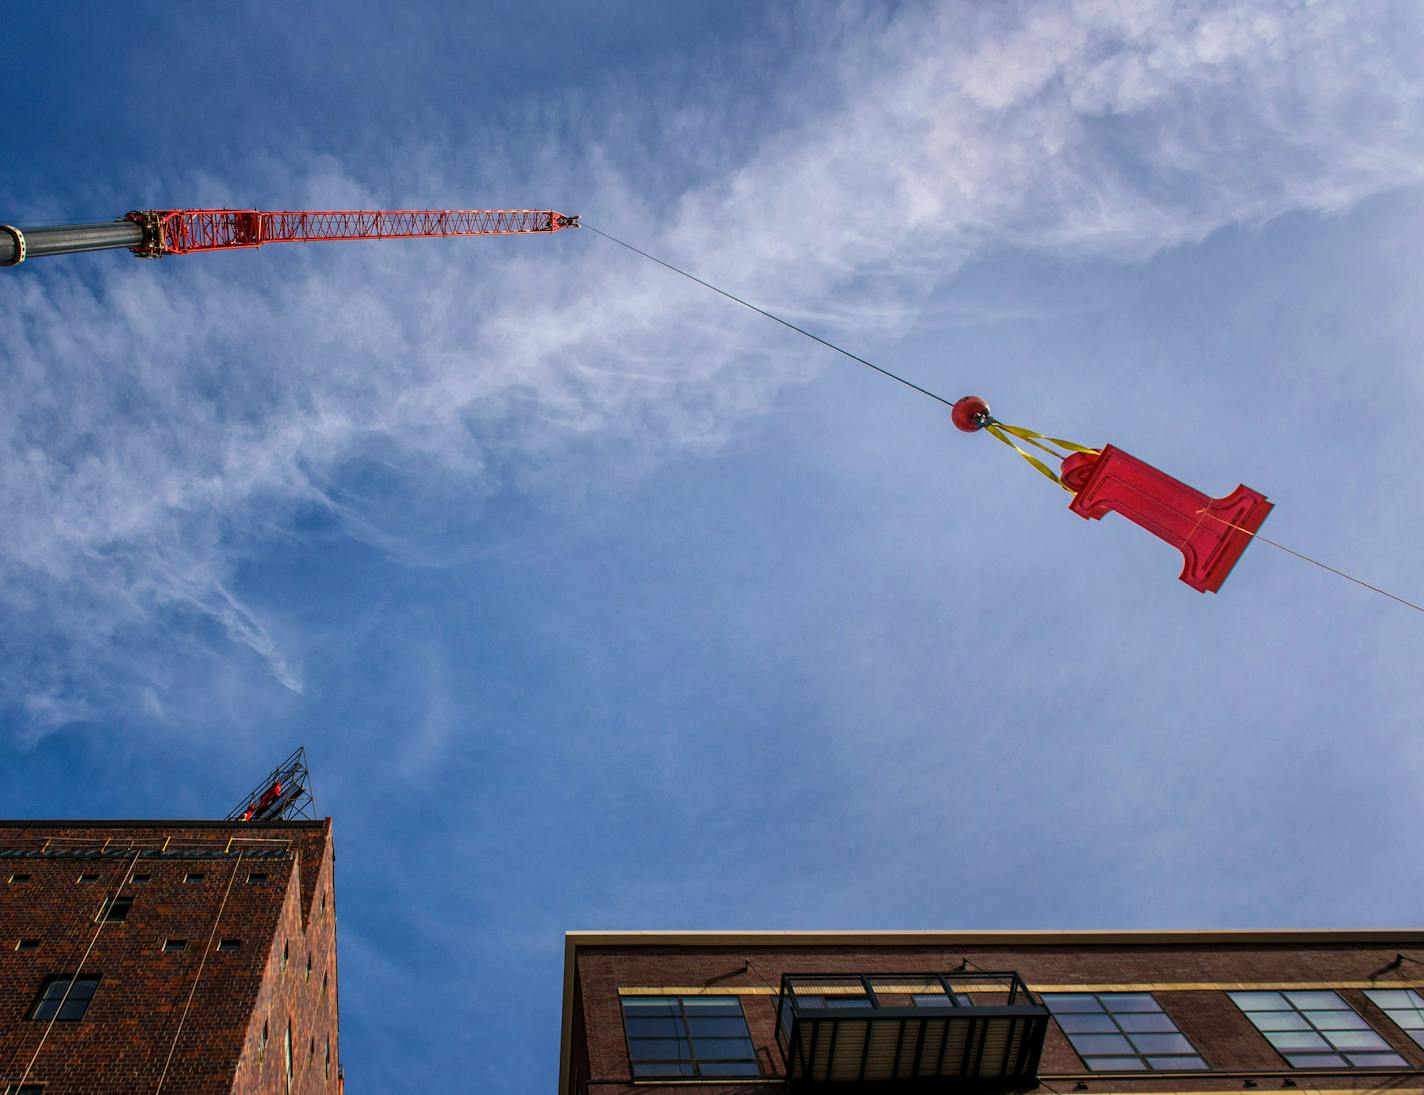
158, 823
1033, 937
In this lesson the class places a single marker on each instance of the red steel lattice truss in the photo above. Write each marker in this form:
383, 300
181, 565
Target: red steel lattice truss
187, 231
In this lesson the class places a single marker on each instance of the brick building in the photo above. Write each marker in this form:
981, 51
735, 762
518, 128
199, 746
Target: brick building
750, 1013
182, 956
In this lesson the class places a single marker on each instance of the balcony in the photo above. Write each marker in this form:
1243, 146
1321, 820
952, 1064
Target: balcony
966, 1031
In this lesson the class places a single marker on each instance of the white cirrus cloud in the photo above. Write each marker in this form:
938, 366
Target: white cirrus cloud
158, 420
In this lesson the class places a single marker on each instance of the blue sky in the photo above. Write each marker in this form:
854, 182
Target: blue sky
602, 603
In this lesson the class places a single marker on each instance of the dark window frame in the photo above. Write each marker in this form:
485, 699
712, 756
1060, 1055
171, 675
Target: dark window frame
1332, 1057
174, 946
114, 910
24, 944
192, 878
1115, 1022
51, 1005
229, 946
683, 1034
19, 878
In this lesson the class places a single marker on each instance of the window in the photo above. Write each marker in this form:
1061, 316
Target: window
257, 876
175, 944
1122, 1032
141, 878
27, 944
688, 1036
24, 1089
17, 878
287, 1053
114, 910
64, 998
285, 951
309, 967
88, 878
323, 984
327, 1066
227, 946
262, 1047
1316, 1030
1404, 1007
194, 876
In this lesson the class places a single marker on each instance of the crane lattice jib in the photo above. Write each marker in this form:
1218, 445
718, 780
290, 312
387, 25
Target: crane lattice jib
187, 231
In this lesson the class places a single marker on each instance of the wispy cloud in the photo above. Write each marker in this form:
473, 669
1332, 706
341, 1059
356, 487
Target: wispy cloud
161, 422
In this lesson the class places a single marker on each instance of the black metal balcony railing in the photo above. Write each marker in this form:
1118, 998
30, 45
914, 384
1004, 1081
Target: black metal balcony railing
971, 1031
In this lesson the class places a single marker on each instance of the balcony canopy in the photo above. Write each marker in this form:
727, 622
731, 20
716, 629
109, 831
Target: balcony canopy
968, 1031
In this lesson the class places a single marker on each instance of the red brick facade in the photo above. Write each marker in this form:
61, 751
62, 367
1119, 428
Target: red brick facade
254, 905
1189, 974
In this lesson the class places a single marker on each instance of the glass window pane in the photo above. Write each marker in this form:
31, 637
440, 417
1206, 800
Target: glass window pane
1260, 1001
653, 1028
72, 1010
658, 1049
1161, 1043
1315, 1060
1116, 1064
1409, 1020
717, 1027
1146, 1020
1310, 1000
1076, 1001
1129, 1001
1355, 1039
1296, 1040
1376, 1060
1279, 1020
1393, 998
648, 1005
711, 1005
662, 1068
1099, 1043
1087, 1024
1176, 1064
724, 1047
45, 1009
1338, 1020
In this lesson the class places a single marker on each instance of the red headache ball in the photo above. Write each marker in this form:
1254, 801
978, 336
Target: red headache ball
970, 413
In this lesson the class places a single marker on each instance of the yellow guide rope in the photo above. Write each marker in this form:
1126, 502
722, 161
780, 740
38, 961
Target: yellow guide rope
1001, 430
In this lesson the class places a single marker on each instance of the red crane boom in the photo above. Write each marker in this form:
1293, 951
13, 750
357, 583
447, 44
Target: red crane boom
153, 233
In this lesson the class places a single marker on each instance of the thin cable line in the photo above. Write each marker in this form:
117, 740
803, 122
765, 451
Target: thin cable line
950, 402
769, 315
1317, 562
212, 934
103, 910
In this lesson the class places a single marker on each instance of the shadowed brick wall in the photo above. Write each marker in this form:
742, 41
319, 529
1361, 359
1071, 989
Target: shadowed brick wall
268, 887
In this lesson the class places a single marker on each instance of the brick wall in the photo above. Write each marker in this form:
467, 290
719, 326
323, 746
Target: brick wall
137, 1015
1218, 1029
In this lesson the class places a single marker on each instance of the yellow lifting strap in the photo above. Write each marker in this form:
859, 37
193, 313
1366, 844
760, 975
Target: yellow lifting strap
1001, 430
